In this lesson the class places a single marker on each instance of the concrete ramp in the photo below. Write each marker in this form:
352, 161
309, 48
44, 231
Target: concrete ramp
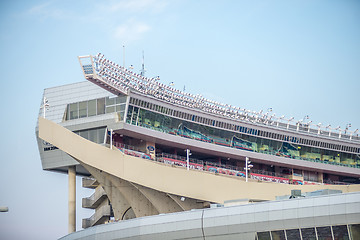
200, 185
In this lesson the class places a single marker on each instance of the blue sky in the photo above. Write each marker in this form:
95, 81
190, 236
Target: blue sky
297, 57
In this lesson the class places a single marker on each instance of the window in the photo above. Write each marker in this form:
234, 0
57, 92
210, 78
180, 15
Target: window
110, 101
120, 108
308, 233
92, 108
279, 235
341, 232
121, 99
93, 135
84, 134
354, 230
110, 109
324, 233
100, 106
263, 236
82, 109
293, 234
73, 110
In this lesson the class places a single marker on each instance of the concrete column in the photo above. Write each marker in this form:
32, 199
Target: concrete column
72, 199
320, 177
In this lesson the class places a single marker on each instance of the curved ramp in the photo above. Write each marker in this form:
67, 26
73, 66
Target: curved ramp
178, 181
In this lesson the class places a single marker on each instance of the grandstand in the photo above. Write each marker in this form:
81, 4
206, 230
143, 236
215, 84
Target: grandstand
148, 148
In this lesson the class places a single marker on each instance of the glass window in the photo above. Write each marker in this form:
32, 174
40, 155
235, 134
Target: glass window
340, 232
324, 233
110, 109
354, 231
293, 234
74, 111
110, 101
122, 114
278, 235
263, 236
84, 134
100, 106
67, 115
92, 108
82, 109
308, 233
120, 108
101, 135
93, 135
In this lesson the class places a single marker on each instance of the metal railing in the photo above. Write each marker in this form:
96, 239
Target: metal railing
229, 169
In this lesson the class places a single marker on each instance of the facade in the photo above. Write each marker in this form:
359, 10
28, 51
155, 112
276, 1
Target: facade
198, 145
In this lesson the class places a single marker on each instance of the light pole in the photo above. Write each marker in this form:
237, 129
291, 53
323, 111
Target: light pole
319, 128
354, 133
347, 127
328, 127
188, 153
248, 166
289, 120
45, 105
279, 119
298, 125
308, 125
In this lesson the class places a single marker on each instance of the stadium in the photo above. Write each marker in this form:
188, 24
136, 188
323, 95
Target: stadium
168, 164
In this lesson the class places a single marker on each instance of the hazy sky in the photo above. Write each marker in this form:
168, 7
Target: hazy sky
298, 57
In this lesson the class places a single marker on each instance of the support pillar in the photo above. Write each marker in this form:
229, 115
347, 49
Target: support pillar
72, 199
320, 177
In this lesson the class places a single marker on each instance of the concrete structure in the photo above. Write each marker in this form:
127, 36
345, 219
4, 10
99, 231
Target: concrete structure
323, 217
150, 149
72, 199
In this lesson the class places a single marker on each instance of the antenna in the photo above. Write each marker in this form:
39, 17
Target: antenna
143, 65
